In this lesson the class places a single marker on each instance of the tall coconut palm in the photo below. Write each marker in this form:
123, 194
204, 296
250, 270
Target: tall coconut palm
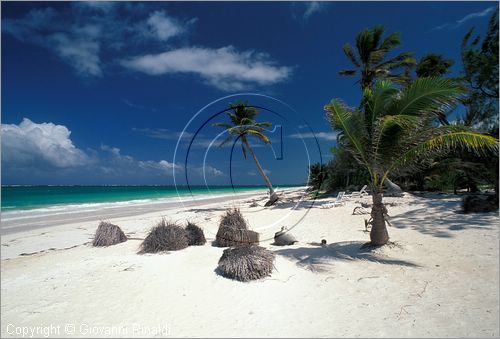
393, 131
370, 59
242, 126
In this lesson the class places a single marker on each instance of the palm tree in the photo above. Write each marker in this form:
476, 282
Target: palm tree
433, 65
370, 60
242, 126
393, 131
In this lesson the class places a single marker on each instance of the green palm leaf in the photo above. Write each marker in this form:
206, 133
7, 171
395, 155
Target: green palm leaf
427, 96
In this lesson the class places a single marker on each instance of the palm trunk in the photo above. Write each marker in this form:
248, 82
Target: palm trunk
273, 197
378, 233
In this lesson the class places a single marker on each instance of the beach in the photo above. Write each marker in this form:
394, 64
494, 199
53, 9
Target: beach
439, 276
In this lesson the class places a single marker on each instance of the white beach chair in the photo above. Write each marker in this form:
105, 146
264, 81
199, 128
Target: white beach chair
338, 201
360, 192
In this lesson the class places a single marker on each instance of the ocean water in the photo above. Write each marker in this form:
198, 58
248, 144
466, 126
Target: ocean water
15, 198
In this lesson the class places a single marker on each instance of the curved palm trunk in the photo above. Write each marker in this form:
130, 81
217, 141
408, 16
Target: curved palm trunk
273, 197
378, 234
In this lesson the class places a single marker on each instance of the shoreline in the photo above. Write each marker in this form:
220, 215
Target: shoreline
25, 220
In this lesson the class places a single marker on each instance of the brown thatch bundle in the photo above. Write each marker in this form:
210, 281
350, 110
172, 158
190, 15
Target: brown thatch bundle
165, 237
234, 218
233, 230
230, 236
108, 234
195, 235
246, 263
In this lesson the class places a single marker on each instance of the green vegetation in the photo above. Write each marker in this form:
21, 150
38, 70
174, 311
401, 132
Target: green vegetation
477, 86
394, 130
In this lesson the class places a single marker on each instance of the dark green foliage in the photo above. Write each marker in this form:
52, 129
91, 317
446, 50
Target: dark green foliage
480, 68
195, 235
480, 203
317, 176
108, 234
433, 65
480, 59
165, 237
344, 173
246, 263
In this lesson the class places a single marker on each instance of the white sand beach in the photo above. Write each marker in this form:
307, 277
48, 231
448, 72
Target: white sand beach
440, 278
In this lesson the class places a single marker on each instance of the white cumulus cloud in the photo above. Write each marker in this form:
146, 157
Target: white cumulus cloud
32, 144
225, 68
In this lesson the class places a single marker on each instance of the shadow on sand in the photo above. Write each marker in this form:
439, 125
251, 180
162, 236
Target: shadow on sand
441, 217
319, 259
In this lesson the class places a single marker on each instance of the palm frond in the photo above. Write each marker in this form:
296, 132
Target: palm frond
383, 94
426, 96
398, 61
446, 139
393, 40
259, 135
364, 45
263, 124
389, 128
225, 141
349, 124
349, 52
348, 72
377, 33
223, 125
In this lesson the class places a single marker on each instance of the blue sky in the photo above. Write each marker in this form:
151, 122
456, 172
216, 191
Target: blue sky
99, 92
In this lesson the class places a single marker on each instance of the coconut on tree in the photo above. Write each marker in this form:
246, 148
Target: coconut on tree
243, 126
394, 130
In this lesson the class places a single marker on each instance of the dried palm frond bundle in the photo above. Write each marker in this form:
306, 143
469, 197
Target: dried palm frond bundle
230, 236
195, 235
165, 237
233, 218
108, 234
245, 263
233, 230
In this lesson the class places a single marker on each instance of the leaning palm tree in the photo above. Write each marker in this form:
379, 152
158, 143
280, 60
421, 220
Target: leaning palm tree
394, 131
370, 59
242, 126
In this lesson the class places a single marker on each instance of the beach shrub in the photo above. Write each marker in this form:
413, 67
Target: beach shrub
195, 235
108, 234
245, 263
165, 237
479, 203
233, 230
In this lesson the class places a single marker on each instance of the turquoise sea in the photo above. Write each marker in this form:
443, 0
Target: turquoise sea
33, 197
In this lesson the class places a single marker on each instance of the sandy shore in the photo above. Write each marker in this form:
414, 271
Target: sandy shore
439, 279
